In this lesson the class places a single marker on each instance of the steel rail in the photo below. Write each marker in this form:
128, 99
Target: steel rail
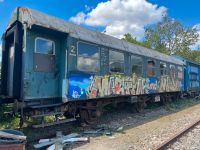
172, 139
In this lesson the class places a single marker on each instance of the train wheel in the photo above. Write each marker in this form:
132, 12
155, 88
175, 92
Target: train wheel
140, 107
87, 117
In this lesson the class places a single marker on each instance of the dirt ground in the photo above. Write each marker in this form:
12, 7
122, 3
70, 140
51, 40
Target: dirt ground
141, 131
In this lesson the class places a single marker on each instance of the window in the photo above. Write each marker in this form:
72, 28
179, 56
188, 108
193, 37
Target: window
88, 57
172, 71
151, 68
116, 62
136, 63
163, 69
180, 72
44, 46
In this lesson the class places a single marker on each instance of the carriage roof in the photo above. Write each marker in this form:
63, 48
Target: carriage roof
33, 17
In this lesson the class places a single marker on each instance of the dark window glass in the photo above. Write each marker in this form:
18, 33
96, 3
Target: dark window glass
136, 63
44, 46
88, 57
116, 62
163, 68
173, 71
151, 68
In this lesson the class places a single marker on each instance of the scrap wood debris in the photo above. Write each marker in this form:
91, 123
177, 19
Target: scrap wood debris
60, 141
12, 136
104, 131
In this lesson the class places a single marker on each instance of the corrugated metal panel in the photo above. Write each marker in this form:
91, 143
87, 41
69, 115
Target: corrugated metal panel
33, 17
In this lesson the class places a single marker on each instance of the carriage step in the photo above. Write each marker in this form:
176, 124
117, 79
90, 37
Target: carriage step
45, 106
47, 114
54, 123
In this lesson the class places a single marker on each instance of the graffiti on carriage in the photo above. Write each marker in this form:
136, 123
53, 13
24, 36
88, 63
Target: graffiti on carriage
87, 86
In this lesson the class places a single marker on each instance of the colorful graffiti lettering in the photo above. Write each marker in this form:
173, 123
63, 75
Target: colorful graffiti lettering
87, 86
78, 85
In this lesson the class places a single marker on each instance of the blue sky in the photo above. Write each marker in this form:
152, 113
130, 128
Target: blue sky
186, 11
104, 17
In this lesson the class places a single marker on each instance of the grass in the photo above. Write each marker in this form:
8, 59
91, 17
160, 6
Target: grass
181, 104
7, 120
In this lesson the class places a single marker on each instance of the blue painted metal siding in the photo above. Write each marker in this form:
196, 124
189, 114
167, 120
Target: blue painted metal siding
85, 85
192, 76
38, 85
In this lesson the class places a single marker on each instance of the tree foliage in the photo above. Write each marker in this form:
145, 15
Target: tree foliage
128, 37
170, 37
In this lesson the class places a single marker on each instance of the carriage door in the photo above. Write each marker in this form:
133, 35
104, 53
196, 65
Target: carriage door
10, 69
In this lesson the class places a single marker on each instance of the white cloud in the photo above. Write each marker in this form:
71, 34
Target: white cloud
197, 44
79, 18
122, 16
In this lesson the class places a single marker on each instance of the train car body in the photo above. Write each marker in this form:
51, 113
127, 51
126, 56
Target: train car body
49, 62
191, 76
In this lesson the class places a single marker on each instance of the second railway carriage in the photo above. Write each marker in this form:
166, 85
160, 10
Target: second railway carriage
50, 66
191, 80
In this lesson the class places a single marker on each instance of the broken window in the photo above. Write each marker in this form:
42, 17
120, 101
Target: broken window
136, 63
88, 57
151, 68
116, 62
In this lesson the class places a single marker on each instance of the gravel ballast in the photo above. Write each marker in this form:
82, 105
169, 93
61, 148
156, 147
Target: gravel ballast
141, 131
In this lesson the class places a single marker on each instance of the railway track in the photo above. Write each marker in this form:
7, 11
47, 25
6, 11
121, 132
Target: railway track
175, 137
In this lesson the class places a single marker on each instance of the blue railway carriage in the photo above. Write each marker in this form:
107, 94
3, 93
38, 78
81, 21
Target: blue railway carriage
50, 66
191, 80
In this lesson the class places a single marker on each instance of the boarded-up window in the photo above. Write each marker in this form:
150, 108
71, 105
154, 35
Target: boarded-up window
116, 62
151, 68
88, 57
44, 56
136, 65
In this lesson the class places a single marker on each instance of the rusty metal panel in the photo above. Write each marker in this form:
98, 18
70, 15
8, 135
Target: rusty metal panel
44, 63
13, 147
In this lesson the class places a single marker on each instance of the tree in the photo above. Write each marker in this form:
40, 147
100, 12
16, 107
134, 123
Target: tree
128, 37
170, 36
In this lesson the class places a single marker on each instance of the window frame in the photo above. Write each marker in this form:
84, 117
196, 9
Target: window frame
45, 39
182, 72
164, 69
93, 58
170, 70
116, 61
142, 66
154, 68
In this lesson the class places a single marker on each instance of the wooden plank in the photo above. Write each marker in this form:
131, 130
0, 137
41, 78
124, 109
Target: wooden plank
52, 147
40, 145
45, 106
47, 114
79, 139
12, 136
54, 123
